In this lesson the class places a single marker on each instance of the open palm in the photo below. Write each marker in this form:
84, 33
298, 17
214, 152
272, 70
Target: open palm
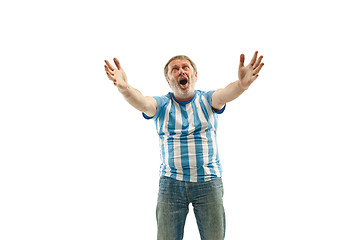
248, 74
117, 75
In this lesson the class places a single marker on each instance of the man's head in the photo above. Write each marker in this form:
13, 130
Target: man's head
166, 68
181, 74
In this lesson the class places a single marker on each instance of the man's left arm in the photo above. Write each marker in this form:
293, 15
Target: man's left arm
247, 75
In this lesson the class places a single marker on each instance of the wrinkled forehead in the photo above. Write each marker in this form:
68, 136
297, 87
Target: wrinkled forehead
179, 62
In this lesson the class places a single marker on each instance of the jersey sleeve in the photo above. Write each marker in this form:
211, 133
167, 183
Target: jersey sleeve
160, 103
208, 96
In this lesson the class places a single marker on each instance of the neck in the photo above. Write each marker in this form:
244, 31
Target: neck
186, 98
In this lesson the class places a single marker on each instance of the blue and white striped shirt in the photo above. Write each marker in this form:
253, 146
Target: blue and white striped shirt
187, 136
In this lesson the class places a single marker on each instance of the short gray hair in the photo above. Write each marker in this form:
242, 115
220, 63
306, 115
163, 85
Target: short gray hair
166, 68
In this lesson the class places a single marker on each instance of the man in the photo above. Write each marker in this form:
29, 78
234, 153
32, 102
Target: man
186, 121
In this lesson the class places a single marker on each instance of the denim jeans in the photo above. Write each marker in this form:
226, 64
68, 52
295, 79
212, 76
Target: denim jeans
173, 206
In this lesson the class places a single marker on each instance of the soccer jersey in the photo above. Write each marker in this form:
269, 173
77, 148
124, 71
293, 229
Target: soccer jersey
187, 137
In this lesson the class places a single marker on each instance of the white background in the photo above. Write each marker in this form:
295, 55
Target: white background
77, 162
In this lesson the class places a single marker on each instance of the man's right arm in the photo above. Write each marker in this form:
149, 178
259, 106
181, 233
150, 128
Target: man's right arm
142, 103
133, 96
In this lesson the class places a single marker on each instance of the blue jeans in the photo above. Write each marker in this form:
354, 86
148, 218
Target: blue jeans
173, 206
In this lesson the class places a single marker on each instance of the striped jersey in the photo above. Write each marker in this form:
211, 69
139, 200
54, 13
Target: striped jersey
187, 137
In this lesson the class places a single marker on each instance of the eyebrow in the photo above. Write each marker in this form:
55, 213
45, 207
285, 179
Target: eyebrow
177, 66
184, 64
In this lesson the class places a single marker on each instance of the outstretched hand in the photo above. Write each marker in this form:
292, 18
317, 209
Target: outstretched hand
248, 74
117, 75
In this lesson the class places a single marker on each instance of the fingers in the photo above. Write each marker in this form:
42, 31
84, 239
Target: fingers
242, 60
258, 62
117, 63
252, 62
257, 70
109, 69
111, 77
255, 62
109, 65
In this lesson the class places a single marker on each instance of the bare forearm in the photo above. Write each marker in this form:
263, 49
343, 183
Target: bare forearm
136, 99
227, 94
232, 91
133, 96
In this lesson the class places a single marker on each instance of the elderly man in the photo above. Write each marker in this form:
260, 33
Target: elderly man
186, 121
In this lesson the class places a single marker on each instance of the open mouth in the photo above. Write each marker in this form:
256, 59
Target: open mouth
183, 81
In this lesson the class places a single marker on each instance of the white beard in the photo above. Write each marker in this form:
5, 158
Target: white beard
183, 92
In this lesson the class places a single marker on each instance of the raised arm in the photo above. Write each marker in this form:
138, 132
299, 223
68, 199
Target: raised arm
133, 96
247, 75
